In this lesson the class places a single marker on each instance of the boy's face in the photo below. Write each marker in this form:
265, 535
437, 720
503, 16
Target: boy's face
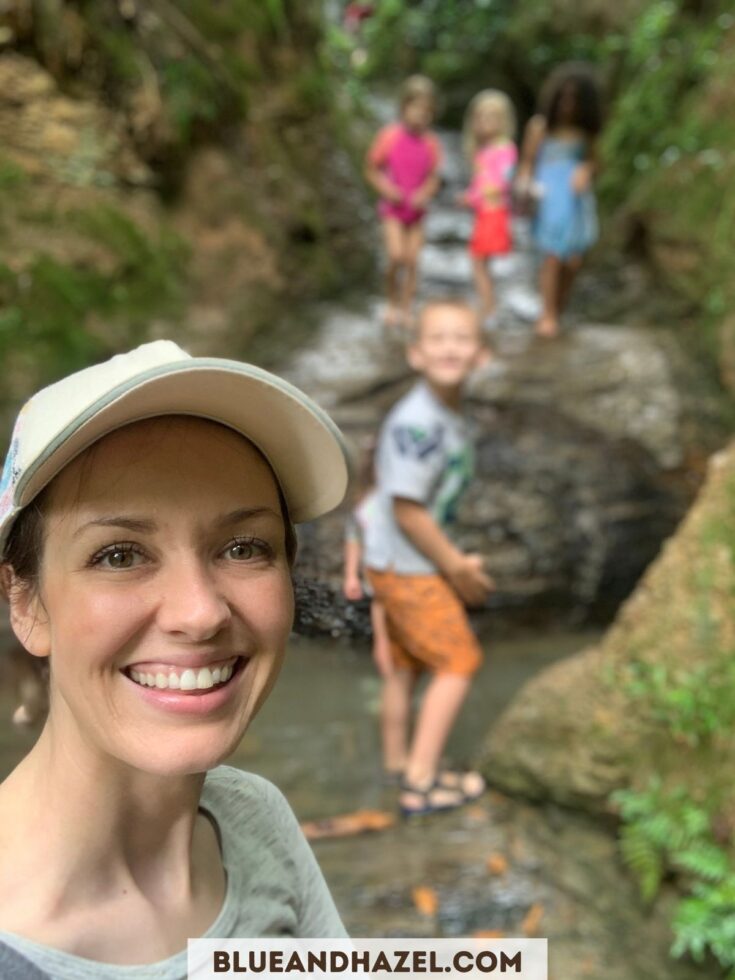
448, 347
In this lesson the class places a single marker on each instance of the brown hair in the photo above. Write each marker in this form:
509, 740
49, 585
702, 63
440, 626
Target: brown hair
587, 97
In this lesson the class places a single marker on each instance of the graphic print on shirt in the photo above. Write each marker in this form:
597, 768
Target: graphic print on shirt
416, 442
455, 480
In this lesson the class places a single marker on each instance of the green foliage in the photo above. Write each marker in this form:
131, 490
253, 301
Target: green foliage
667, 829
669, 53
191, 93
45, 310
693, 705
12, 177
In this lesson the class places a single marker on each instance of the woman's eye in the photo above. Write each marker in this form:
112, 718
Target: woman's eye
246, 550
118, 557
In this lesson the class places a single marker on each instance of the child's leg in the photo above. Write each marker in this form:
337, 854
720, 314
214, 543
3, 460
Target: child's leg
439, 709
550, 283
395, 249
395, 717
414, 240
569, 271
381, 638
483, 285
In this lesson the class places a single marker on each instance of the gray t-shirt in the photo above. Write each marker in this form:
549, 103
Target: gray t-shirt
274, 885
424, 454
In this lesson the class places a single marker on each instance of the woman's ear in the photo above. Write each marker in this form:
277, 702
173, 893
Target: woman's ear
27, 616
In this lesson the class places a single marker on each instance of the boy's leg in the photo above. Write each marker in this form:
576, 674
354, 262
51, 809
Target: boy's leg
414, 240
381, 639
483, 285
550, 283
439, 709
395, 718
395, 251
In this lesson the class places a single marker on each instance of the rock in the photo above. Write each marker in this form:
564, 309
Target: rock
586, 450
598, 720
76, 141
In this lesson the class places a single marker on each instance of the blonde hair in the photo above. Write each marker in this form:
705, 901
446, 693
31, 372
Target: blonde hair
438, 302
417, 87
495, 99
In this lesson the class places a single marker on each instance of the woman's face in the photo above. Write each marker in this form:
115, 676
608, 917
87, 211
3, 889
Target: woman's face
165, 597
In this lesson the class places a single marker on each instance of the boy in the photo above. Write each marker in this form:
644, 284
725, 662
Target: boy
424, 462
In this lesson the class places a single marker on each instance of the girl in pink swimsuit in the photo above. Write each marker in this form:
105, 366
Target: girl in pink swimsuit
488, 138
402, 165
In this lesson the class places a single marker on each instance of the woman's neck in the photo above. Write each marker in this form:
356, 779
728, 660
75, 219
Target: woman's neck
105, 829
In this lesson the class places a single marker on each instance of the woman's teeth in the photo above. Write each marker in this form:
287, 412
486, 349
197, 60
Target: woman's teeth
185, 680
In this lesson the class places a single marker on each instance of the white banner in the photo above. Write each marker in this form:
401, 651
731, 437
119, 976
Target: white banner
356, 959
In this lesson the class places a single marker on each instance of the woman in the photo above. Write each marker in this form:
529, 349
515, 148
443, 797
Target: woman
146, 537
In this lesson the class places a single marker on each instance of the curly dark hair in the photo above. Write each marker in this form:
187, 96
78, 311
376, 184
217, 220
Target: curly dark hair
580, 77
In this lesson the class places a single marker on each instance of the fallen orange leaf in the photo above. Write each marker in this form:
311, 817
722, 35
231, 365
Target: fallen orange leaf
348, 824
488, 934
497, 864
532, 919
425, 899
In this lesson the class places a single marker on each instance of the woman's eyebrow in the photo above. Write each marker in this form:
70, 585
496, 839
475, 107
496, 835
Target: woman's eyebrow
243, 513
139, 524
142, 525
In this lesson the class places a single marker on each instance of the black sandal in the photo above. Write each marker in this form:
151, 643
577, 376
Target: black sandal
427, 807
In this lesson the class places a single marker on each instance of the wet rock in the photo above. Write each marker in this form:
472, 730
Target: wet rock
563, 871
593, 723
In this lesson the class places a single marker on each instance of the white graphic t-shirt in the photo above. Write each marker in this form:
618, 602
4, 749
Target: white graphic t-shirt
424, 454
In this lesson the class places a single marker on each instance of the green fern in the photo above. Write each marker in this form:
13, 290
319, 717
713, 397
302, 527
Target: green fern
644, 858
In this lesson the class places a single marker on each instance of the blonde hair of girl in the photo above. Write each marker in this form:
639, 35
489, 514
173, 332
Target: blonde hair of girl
489, 98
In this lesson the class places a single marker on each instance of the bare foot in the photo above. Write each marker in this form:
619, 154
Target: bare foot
547, 327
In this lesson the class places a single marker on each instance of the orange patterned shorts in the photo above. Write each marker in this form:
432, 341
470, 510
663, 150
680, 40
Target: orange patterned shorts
427, 623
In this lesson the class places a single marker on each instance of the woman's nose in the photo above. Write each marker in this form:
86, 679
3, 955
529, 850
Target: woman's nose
192, 603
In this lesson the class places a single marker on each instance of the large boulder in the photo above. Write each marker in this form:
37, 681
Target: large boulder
649, 698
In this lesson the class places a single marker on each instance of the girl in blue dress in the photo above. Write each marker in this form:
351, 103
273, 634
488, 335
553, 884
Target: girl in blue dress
559, 162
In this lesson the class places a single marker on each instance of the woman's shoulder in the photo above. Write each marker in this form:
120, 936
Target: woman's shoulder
228, 790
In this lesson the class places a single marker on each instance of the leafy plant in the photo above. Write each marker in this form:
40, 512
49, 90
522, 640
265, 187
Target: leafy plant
665, 829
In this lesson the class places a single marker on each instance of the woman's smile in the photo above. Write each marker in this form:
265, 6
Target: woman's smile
189, 680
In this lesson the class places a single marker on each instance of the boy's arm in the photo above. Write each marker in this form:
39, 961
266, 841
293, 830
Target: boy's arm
351, 584
464, 573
